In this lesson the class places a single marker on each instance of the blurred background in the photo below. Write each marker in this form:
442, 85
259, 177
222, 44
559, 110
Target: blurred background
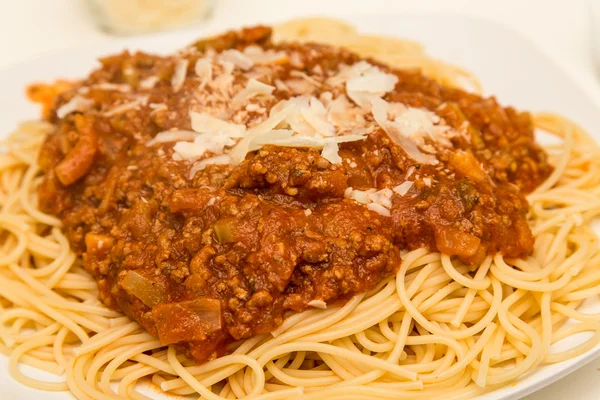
564, 30
560, 28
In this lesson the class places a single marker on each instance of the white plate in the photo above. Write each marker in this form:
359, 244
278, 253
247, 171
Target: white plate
509, 66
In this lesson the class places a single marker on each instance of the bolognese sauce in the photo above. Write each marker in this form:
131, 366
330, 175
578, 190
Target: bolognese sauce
211, 191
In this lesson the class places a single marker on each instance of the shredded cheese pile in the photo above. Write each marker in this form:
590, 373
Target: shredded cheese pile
302, 121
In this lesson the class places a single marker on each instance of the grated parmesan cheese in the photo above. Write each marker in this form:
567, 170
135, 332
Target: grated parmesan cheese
77, 103
236, 58
118, 87
300, 87
202, 164
370, 82
203, 70
406, 127
267, 137
211, 142
172, 136
150, 82
330, 153
403, 188
281, 86
378, 201
253, 88
318, 304
123, 108
316, 116
348, 72
262, 57
414, 121
206, 123
179, 74
309, 141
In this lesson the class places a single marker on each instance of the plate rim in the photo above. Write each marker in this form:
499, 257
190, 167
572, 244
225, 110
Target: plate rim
513, 390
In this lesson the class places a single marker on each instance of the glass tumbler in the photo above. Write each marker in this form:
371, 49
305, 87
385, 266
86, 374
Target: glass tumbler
129, 17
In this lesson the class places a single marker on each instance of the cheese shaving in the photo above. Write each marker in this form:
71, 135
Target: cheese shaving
403, 188
340, 113
118, 87
265, 138
276, 116
211, 142
77, 103
406, 127
253, 88
300, 86
318, 304
382, 197
378, 201
179, 74
203, 70
414, 121
349, 72
172, 136
295, 118
330, 153
150, 82
202, 164
123, 108
262, 57
310, 141
306, 77
236, 58
157, 107
316, 116
411, 149
204, 122
238, 153
372, 81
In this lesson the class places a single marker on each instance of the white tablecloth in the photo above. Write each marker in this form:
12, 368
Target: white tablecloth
559, 27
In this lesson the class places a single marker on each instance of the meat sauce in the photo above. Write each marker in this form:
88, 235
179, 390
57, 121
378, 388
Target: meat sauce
223, 255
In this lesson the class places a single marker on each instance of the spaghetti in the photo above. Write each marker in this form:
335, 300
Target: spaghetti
438, 328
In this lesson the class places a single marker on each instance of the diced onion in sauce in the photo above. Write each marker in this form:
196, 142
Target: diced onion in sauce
190, 320
148, 291
225, 229
453, 241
